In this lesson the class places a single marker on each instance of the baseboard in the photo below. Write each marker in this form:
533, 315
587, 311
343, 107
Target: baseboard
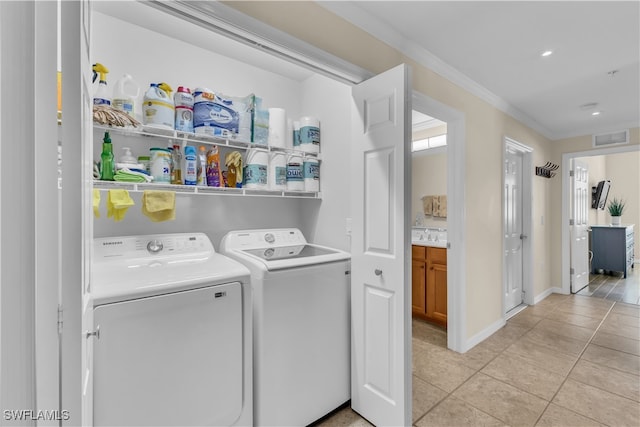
546, 293
483, 335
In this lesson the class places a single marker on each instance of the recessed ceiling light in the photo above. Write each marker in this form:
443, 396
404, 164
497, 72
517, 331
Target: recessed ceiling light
595, 113
546, 53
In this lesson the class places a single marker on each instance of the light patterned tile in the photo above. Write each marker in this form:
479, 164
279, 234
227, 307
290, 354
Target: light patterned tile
627, 331
615, 359
441, 372
543, 356
502, 401
345, 417
598, 404
557, 416
626, 309
525, 318
425, 397
565, 330
585, 310
456, 413
616, 319
617, 342
609, 379
512, 369
575, 319
561, 343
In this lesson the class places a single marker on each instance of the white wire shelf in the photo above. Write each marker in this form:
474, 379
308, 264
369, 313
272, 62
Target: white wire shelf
207, 191
192, 138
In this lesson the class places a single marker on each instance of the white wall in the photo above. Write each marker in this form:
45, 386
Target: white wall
17, 208
428, 177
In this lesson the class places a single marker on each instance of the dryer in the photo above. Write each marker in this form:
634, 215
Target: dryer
301, 324
172, 333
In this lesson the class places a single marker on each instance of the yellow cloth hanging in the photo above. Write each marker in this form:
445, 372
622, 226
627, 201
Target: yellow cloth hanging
96, 203
117, 204
158, 205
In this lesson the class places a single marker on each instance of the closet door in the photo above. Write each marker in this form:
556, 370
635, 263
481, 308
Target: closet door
380, 295
75, 212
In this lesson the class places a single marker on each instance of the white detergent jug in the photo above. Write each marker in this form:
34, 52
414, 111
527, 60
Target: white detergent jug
125, 96
158, 109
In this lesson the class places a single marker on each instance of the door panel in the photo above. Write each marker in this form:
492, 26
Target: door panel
513, 227
381, 340
580, 227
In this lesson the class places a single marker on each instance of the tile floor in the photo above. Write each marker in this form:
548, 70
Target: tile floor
615, 288
570, 360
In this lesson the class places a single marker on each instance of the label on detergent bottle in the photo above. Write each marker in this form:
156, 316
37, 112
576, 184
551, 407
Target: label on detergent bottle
122, 104
309, 135
311, 170
190, 167
281, 175
183, 101
294, 172
255, 174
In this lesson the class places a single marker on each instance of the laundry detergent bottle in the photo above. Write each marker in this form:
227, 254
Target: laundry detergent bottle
158, 109
125, 94
107, 165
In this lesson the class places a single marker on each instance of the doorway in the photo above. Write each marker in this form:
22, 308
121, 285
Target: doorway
455, 337
516, 202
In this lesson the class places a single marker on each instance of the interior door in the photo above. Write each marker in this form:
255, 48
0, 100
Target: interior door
513, 227
380, 279
580, 226
75, 217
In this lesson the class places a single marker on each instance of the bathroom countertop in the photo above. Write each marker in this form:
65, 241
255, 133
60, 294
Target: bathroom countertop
433, 244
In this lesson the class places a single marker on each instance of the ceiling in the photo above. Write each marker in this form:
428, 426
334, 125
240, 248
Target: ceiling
493, 50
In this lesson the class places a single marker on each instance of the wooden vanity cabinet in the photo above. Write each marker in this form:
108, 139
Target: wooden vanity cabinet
429, 284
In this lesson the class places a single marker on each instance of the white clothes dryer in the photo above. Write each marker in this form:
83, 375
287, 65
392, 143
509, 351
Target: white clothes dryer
172, 325
301, 324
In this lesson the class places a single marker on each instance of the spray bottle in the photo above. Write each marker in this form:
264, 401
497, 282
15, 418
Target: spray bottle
107, 165
101, 97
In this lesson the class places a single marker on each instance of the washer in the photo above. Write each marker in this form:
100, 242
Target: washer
172, 338
301, 324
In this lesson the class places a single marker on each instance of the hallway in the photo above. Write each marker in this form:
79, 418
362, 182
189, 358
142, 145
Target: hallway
570, 360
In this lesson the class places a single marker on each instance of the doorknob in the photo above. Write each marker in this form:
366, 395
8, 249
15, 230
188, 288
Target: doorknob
95, 333
523, 236
378, 272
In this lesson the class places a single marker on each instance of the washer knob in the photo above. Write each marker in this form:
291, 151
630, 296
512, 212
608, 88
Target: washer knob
269, 238
154, 246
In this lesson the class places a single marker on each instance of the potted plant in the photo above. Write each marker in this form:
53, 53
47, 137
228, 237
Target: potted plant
616, 207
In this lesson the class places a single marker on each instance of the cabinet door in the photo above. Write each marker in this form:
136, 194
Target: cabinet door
437, 285
418, 281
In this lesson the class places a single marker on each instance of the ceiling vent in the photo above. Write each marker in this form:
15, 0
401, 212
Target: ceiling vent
611, 138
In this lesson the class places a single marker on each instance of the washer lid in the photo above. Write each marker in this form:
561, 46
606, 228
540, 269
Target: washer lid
130, 267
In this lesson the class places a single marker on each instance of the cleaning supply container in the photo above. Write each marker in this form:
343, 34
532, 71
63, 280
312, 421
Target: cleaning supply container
277, 171
160, 165
311, 174
158, 109
190, 166
101, 97
295, 181
125, 95
309, 134
256, 169
107, 164
183, 100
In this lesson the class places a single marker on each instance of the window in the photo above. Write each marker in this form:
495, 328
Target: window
427, 143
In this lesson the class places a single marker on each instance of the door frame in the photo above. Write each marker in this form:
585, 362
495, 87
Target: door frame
456, 217
527, 215
566, 239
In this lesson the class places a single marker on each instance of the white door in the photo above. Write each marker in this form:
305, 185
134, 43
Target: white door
513, 227
75, 219
580, 226
380, 279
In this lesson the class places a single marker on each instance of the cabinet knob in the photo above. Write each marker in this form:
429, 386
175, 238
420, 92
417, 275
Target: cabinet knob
431, 268
378, 272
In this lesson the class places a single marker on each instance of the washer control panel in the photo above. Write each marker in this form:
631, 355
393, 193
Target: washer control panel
136, 247
257, 239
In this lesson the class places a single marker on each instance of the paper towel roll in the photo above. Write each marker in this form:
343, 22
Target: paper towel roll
295, 180
255, 170
277, 127
278, 171
311, 174
309, 135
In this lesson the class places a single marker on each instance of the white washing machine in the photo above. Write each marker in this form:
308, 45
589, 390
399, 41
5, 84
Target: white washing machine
173, 334
301, 324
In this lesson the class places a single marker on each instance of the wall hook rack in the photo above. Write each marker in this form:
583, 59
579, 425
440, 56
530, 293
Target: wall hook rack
546, 171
